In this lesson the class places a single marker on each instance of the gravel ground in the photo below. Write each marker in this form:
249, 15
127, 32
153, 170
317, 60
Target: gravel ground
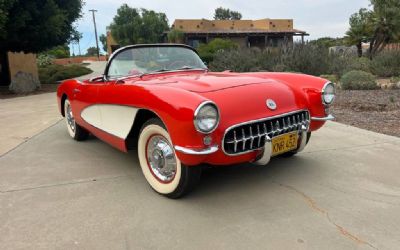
375, 110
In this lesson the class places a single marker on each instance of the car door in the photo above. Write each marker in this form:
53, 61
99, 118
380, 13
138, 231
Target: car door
114, 108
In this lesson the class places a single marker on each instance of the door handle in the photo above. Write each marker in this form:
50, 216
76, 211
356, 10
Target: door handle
76, 91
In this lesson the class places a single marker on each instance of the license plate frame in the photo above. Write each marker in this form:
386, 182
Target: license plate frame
284, 143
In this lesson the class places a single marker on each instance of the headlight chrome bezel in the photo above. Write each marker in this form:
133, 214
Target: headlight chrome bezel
198, 110
323, 93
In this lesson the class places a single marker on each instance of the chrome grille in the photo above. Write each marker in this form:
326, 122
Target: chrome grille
249, 136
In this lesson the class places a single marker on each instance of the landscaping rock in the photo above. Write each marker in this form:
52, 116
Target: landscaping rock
23, 82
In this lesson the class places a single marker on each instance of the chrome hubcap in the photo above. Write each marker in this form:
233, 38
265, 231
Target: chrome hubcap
70, 117
161, 158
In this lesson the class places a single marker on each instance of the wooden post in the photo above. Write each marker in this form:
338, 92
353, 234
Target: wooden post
266, 41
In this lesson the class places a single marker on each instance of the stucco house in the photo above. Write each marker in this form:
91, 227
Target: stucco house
247, 33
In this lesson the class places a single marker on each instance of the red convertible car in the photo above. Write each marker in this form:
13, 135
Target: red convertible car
162, 101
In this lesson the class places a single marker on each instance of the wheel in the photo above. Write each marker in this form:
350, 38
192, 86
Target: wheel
160, 165
74, 130
292, 153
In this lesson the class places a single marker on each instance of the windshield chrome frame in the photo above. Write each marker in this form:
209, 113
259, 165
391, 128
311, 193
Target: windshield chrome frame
122, 49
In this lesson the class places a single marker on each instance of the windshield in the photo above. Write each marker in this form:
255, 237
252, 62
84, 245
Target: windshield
143, 60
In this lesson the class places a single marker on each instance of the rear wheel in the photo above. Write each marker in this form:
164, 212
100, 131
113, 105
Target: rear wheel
160, 165
75, 131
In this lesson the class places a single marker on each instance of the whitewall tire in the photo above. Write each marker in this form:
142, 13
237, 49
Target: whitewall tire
160, 165
74, 130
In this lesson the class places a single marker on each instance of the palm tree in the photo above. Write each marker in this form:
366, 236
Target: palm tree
385, 23
360, 29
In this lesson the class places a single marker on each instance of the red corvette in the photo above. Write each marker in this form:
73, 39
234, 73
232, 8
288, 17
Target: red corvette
162, 100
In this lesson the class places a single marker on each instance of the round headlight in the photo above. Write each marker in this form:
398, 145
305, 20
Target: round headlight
328, 93
206, 117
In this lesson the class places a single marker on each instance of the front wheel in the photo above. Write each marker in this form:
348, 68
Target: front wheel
160, 165
75, 131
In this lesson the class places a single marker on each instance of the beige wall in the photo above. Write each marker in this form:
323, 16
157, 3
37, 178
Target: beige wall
24, 76
192, 25
110, 42
22, 62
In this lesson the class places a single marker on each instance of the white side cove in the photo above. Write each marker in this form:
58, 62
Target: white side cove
113, 119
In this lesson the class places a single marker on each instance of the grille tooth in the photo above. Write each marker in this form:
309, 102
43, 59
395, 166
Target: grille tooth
235, 141
244, 139
250, 136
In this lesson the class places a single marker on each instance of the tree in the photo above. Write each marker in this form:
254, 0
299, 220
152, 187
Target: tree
175, 36
132, 26
33, 26
207, 51
91, 51
386, 24
328, 42
103, 40
226, 14
76, 37
360, 29
61, 51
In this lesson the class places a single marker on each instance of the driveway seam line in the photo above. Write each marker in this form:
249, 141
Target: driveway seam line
32, 137
63, 184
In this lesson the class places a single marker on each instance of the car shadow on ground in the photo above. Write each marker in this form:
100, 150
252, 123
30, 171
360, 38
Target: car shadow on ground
242, 179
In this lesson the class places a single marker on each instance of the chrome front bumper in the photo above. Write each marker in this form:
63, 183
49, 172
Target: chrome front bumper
267, 153
205, 151
326, 118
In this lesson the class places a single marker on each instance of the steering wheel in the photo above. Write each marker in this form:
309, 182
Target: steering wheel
134, 72
175, 64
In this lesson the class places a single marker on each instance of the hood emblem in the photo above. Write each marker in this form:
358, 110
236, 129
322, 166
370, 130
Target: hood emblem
271, 104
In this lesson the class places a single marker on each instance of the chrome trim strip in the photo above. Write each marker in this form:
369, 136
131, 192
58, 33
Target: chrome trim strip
256, 121
327, 118
189, 151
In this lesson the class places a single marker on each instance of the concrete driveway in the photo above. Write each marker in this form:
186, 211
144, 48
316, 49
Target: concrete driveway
343, 192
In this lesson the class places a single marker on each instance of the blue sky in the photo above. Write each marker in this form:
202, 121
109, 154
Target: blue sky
320, 18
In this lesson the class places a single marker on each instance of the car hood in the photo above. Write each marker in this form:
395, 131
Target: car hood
240, 97
207, 82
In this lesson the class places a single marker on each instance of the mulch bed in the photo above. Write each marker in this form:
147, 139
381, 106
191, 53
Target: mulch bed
375, 110
45, 88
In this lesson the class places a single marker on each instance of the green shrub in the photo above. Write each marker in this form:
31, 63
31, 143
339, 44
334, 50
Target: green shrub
386, 64
207, 51
240, 60
175, 36
331, 78
44, 60
358, 80
51, 74
306, 58
359, 63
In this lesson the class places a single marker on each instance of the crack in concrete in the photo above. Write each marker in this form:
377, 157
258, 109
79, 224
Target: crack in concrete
314, 206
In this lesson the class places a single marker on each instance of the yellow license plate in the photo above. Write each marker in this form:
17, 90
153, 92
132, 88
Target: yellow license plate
284, 143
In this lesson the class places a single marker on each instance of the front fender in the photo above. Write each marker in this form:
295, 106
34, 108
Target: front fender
311, 86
